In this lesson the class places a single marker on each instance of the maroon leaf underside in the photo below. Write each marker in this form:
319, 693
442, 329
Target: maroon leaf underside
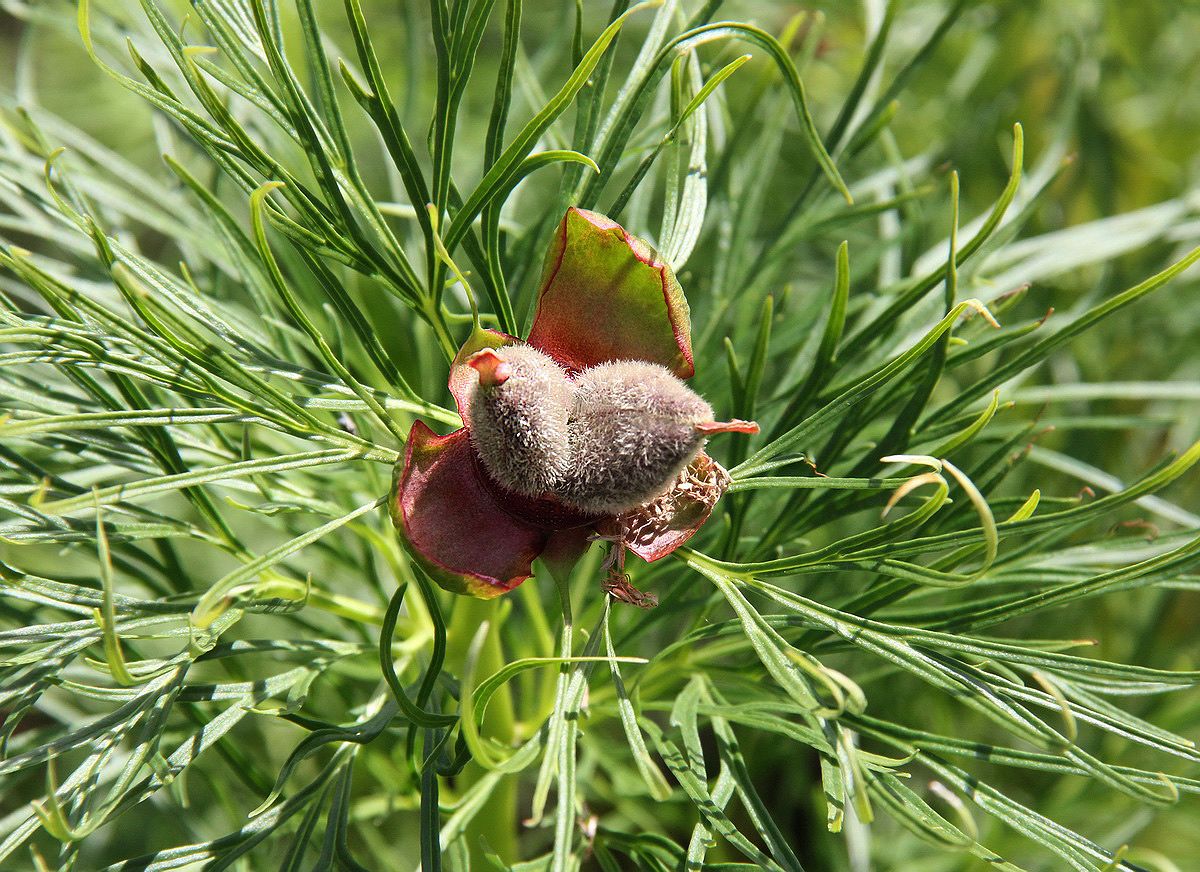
547, 511
683, 526
452, 522
604, 296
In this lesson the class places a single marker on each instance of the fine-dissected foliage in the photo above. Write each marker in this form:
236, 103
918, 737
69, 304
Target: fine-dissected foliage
923, 630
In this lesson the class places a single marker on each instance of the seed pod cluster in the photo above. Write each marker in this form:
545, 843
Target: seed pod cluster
614, 437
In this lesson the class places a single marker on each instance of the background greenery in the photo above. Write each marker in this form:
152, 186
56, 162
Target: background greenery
1106, 95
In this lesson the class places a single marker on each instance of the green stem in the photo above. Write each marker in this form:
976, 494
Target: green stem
433, 313
497, 823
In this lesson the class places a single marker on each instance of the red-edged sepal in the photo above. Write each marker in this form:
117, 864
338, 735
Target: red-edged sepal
453, 524
654, 530
605, 296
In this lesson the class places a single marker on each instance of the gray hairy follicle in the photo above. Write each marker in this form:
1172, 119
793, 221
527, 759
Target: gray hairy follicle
517, 416
633, 427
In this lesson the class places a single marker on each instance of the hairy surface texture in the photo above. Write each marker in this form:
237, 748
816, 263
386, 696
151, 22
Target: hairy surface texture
519, 427
632, 430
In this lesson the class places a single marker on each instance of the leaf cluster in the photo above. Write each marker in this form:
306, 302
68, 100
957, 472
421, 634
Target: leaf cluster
214, 653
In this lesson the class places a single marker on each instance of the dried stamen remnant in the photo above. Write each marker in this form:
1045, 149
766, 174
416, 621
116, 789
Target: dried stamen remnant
618, 586
518, 417
690, 497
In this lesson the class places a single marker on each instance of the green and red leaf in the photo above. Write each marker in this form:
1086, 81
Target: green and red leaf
605, 296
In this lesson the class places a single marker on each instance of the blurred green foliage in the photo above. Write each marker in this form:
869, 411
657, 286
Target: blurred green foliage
1113, 86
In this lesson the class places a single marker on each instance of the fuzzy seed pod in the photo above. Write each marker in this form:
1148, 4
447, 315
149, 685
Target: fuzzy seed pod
520, 402
633, 428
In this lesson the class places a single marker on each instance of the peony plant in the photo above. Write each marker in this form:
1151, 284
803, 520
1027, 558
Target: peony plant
942, 616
